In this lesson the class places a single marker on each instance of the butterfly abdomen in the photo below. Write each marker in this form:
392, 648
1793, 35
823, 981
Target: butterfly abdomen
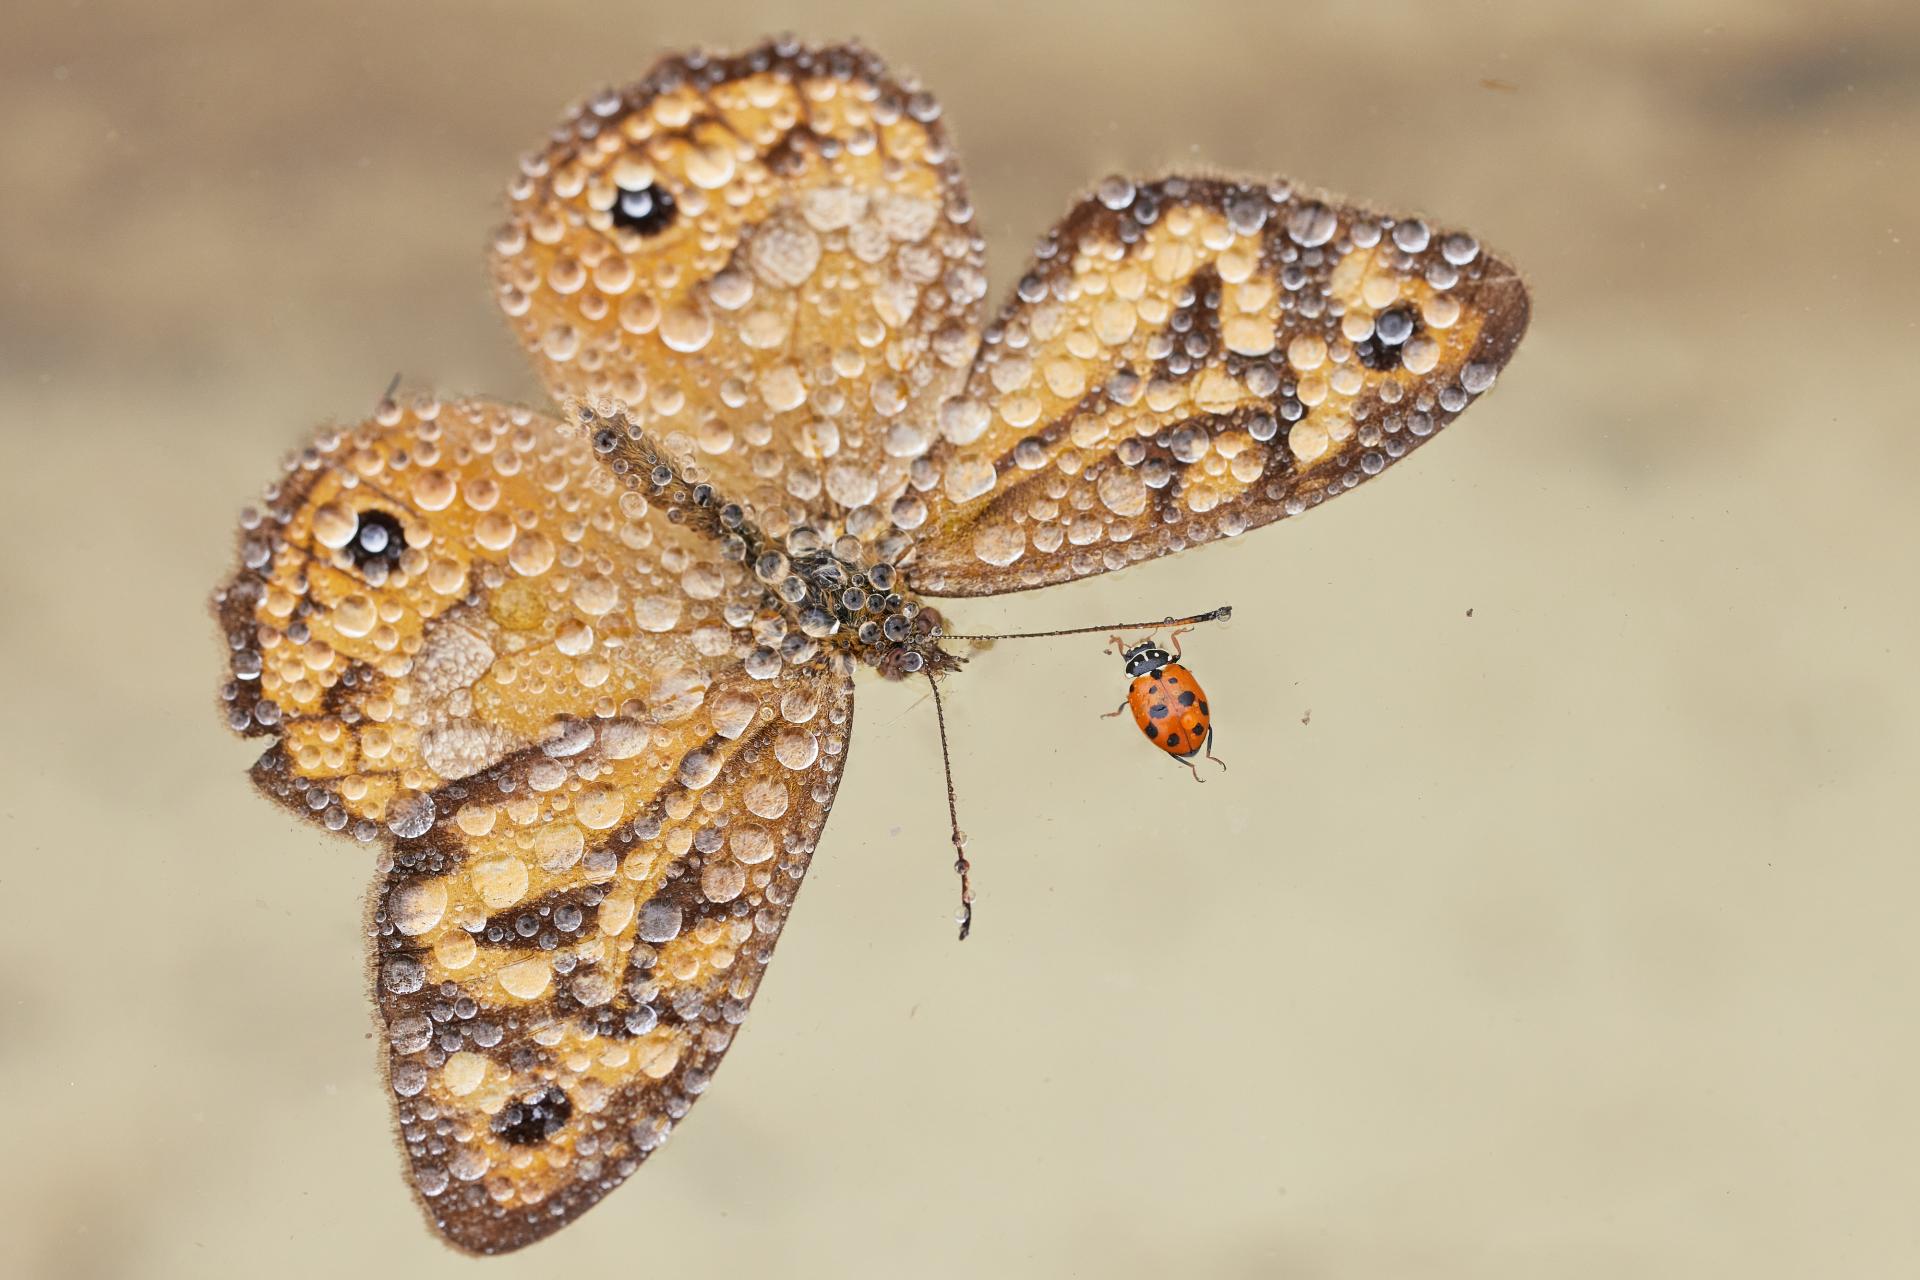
1171, 709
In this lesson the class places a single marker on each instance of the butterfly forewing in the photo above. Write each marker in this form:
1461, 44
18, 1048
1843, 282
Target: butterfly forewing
768, 258
1192, 358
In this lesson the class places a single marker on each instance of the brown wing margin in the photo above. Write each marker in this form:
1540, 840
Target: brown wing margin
1191, 358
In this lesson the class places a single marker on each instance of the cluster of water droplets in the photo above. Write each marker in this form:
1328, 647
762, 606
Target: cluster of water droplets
1190, 358
595, 740
814, 296
567, 955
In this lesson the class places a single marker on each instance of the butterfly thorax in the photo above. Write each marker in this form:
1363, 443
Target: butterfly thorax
826, 589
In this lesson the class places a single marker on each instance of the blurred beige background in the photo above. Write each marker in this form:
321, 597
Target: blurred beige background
1570, 939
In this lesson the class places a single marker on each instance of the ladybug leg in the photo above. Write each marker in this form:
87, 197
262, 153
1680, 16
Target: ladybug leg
1116, 711
1175, 637
1115, 645
1216, 759
1190, 768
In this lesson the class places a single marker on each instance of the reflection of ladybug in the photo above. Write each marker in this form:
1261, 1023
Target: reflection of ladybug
1168, 703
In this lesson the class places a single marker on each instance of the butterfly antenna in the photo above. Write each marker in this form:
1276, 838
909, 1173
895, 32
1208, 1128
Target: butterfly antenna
960, 863
1221, 614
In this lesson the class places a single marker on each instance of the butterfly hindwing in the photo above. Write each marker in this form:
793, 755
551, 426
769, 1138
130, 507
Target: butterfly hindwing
768, 258
1192, 358
559, 976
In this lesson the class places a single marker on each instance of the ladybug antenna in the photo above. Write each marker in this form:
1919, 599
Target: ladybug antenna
960, 863
1221, 614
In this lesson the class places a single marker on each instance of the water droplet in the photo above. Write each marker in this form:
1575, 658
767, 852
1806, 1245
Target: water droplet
599, 808
410, 815
1411, 236
1115, 191
766, 798
1312, 224
659, 922
532, 555
968, 478
657, 613
784, 251
500, 881
527, 980
722, 881
417, 905
999, 542
1122, 491
796, 748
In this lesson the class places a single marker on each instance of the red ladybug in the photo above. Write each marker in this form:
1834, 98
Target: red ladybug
1168, 703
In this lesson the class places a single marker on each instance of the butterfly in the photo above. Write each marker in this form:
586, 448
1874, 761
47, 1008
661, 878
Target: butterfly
584, 680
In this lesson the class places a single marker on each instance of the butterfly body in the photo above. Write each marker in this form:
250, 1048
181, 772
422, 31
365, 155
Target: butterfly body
580, 681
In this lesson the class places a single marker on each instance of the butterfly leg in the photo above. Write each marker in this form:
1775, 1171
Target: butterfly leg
961, 865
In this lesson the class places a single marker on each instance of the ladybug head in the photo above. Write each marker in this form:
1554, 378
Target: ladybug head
1144, 657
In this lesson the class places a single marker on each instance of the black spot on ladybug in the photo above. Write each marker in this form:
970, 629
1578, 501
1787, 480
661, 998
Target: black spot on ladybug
524, 1122
1158, 711
1155, 673
1153, 730
647, 212
1173, 679
1199, 732
1204, 711
1173, 739
378, 536
1186, 698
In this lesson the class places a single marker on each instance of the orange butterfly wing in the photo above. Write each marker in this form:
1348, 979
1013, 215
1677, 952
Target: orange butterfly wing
594, 763
1192, 358
770, 259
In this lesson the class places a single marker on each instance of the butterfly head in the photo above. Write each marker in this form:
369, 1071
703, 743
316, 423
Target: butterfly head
1144, 657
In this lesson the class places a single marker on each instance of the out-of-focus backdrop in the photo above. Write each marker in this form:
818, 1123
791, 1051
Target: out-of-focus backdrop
1623, 978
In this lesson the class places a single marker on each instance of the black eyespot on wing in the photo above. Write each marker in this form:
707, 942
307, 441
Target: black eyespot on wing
527, 1121
378, 536
1186, 697
646, 212
1391, 330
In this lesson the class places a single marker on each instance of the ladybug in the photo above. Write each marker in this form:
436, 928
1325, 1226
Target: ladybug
1167, 702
